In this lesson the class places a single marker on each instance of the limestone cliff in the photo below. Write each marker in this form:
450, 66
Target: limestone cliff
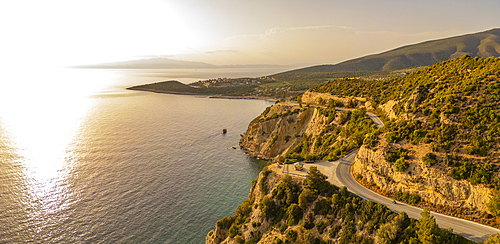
282, 209
280, 129
433, 184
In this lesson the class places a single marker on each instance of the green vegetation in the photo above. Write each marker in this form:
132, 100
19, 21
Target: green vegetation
400, 165
336, 140
345, 217
421, 54
458, 106
407, 197
177, 87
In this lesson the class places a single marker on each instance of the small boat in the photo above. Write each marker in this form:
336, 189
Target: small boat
224, 131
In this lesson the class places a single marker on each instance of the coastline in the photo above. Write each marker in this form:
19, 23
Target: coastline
251, 97
162, 91
244, 97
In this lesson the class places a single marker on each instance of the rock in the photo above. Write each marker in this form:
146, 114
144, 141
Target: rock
416, 97
431, 183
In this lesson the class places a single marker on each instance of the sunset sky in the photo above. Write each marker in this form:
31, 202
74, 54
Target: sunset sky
225, 32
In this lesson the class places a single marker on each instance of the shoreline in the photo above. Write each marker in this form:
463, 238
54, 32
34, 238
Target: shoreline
251, 97
162, 91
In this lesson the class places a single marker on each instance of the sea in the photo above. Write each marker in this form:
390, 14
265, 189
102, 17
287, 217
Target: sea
83, 160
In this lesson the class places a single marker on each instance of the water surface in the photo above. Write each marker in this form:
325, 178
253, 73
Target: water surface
121, 166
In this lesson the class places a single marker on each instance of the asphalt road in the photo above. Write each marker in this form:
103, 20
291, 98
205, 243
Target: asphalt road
468, 229
339, 174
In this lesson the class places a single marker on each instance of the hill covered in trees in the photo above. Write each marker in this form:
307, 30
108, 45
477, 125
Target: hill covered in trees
281, 209
483, 44
439, 147
442, 135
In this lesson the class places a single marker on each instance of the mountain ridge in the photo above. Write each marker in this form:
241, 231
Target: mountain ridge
482, 44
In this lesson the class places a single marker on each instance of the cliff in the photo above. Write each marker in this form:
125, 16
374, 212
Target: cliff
432, 184
288, 132
279, 129
439, 147
282, 209
440, 141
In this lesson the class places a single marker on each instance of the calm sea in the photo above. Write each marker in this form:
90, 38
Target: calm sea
107, 165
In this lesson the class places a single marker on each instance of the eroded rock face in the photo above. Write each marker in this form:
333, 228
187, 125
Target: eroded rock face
220, 236
312, 98
433, 184
270, 137
416, 97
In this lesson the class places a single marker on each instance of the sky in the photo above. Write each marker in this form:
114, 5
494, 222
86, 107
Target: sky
228, 32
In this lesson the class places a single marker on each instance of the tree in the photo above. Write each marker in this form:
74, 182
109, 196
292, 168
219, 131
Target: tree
494, 203
304, 198
493, 239
320, 101
294, 214
427, 229
268, 208
315, 181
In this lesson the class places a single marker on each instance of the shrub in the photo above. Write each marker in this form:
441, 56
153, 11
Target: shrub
268, 208
239, 239
292, 235
407, 197
400, 165
429, 159
334, 231
287, 138
392, 156
294, 214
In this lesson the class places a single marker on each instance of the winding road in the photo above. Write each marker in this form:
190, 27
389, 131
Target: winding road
339, 174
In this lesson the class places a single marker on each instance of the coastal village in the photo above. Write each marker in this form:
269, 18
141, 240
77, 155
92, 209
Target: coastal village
258, 83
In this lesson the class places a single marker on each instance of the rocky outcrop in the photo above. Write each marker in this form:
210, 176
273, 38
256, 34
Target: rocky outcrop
270, 180
433, 184
279, 130
416, 97
313, 97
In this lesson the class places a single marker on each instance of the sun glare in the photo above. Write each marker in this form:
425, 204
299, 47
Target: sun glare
42, 113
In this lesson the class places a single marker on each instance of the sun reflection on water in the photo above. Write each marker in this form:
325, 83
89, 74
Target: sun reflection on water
42, 116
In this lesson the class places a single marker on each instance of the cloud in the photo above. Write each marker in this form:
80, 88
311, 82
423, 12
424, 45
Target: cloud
278, 30
222, 51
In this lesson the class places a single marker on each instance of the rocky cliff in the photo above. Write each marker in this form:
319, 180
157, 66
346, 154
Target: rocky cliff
276, 134
432, 184
282, 209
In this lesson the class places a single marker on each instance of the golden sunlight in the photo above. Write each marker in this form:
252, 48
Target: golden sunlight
42, 119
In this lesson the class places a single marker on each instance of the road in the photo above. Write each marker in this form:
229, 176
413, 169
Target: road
339, 174
468, 229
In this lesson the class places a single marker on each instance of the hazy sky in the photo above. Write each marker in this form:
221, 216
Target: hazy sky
228, 31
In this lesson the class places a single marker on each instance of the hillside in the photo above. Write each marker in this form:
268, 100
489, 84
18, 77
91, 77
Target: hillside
483, 44
281, 209
176, 87
170, 86
439, 148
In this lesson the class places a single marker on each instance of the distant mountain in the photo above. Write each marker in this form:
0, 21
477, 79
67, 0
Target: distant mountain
152, 63
482, 44
167, 63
